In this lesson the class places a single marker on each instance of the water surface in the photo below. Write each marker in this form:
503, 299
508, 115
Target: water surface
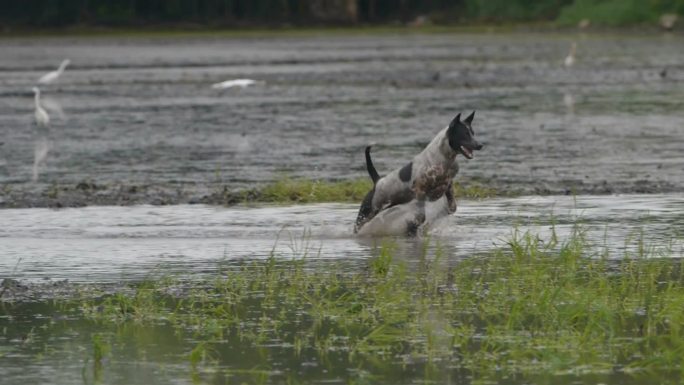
107, 244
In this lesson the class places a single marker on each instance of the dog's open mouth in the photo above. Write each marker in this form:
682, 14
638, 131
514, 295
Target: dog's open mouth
466, 152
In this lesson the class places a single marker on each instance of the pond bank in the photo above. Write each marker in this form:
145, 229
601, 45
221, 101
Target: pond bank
282, 191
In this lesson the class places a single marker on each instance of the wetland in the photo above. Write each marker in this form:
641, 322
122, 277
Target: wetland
162, 231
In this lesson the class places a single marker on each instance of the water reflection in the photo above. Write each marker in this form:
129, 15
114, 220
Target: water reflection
42, 127
53, 105
3, 160
569, 102
41, 148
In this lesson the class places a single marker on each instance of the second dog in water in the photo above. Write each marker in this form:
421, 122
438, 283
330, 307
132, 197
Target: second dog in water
408, 218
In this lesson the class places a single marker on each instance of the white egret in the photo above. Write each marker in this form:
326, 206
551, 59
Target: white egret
52, 76
570, 59
42, 117
242, 83
668, 21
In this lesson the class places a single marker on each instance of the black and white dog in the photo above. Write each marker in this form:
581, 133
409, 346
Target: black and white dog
398, 187
407, 218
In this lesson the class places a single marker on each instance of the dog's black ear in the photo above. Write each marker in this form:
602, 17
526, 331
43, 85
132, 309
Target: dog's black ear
456, 120
470, 117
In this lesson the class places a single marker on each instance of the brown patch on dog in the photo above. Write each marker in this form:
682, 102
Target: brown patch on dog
431, 184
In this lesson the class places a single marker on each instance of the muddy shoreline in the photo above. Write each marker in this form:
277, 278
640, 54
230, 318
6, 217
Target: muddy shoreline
122, 194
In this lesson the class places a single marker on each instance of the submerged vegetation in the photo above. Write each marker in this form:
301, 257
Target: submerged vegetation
545, 310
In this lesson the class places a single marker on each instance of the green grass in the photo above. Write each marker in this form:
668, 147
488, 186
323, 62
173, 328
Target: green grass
289, 191
537, 309
314, 191
610, 12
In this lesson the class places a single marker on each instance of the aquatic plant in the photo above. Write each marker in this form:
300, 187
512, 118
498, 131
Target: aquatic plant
100, 349
546, 309
535, 308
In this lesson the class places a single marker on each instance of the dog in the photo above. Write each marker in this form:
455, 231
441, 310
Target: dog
396, 188
409, 218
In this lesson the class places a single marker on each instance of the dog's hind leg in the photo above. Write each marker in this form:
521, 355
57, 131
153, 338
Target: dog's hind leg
365, 211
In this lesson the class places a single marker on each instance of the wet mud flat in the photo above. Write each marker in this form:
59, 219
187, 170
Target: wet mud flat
134, 120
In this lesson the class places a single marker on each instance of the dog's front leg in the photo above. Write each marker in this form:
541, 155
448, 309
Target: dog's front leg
451, 201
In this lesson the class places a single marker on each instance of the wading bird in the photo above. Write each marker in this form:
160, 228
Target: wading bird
52, 76
242, 83
42, 117
570, 59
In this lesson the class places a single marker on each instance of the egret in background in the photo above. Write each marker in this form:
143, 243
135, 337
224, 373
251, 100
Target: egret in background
570, 59
54, 75
242, 83
668, 21
42, 145
42, 117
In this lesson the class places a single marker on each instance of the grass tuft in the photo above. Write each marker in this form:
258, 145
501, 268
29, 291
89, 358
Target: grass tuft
292, 191
288, 190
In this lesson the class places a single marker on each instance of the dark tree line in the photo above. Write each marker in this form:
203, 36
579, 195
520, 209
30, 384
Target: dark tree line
219, 13
55, 13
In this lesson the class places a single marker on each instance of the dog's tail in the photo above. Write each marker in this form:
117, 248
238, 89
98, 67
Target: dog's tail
369, 165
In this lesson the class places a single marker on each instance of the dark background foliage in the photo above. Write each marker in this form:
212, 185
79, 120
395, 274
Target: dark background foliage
60, 13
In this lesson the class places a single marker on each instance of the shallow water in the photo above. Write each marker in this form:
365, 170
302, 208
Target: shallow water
106, 244
44, 343
140, 111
